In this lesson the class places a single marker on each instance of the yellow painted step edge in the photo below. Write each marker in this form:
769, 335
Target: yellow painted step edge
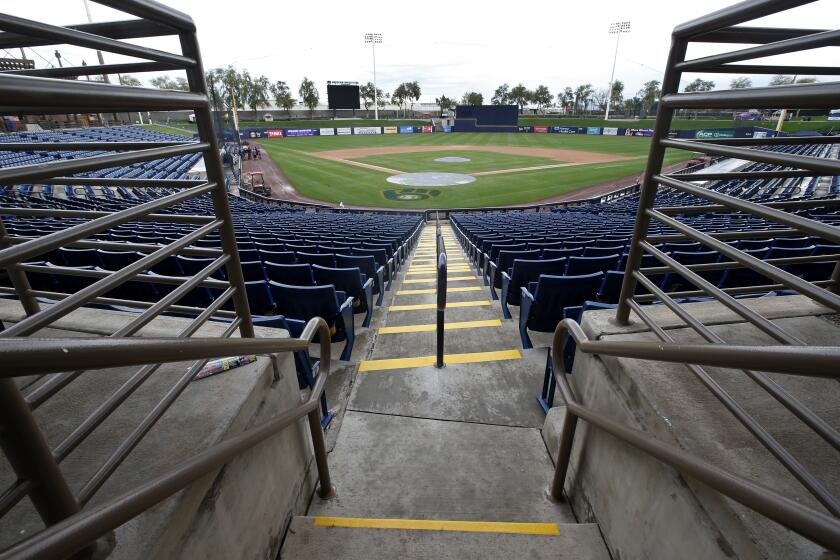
434, 290
422, 361
547, 529
428, 327
434, 279
420, 306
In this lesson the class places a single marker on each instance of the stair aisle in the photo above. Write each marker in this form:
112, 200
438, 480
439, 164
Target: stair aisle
442, 463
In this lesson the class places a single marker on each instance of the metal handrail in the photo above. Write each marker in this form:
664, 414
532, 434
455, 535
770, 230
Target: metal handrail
791, 354
77, 531
34, 462
812, 524
441, 283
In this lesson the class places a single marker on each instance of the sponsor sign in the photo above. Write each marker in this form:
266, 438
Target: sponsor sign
427, 129
593, 130
389, 130
448, 128
406, 130
541, 129
291, 132
715, 133
344, 131
525, 129
367, 130
274, 133
565, 129
760, 134
638, 132
610, 131
326, 131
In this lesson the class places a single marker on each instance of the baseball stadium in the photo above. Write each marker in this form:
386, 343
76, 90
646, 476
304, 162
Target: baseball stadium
242, 318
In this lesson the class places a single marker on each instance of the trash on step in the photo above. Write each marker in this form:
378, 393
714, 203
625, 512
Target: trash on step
223, 364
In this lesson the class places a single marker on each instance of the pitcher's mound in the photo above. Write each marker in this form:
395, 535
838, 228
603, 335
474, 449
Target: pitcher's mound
431, 179
452, 159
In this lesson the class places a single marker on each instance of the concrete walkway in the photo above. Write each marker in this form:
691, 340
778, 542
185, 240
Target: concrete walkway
459, 445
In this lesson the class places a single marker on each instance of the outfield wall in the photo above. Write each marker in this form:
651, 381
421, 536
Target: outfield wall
273, 132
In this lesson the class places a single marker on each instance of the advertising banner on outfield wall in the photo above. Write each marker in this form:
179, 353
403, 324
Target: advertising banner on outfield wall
406, 130
342, 131
292, 132
367, 130
565, 129
593, 130
427, 129
715, 133
389, 130
274, 133
448, 128
326, 131
638, 132
541, 129
610, 131
525, 128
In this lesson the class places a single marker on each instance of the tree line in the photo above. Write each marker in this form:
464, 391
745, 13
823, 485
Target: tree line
228, 87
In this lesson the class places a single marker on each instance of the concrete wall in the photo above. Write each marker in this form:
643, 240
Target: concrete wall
240, 511
649, 510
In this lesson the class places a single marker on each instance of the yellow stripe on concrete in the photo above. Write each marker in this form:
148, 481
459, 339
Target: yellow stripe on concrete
428, 327
547, 529
434, 279
434, 290
423, 361
427, 269
421, 306
415, 272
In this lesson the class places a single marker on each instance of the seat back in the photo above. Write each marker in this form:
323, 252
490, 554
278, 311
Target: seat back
592, 251
587, 265
365, 263
347, 280
562, 253
525, 271
505, 261
290, 274
306, 302
322, 259
279, 257
553, 293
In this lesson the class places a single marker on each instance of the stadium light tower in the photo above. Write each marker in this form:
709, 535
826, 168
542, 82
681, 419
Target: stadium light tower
617, 29
373, 39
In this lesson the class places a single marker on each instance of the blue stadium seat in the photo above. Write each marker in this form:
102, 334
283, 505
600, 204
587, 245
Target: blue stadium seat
352, 282
369, 267
521, 274
586, 265
504, 261
291, 274
543, 301
307, 302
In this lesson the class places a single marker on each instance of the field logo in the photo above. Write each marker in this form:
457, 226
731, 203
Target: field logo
367, 130
610, 131
722, 133
593, 130
541, 129
327, 131
389, 130
406, 129
274, 133
410, 193
344, 131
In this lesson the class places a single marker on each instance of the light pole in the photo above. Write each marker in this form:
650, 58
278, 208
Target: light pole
373, 39
617, 29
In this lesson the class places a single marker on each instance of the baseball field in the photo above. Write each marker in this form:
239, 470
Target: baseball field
503, 168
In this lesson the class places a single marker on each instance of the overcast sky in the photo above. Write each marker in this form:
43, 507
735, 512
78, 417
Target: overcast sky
448, 47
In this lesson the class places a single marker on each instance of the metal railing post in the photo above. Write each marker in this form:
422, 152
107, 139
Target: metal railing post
326, 489
18, 278
671, 83
441, 307
29, 454
215, 173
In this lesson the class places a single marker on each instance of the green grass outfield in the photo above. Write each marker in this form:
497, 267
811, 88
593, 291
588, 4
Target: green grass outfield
334, 181
479, 161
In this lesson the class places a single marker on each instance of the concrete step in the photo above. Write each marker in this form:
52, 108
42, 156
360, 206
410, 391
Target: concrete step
315, 538
393, 466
